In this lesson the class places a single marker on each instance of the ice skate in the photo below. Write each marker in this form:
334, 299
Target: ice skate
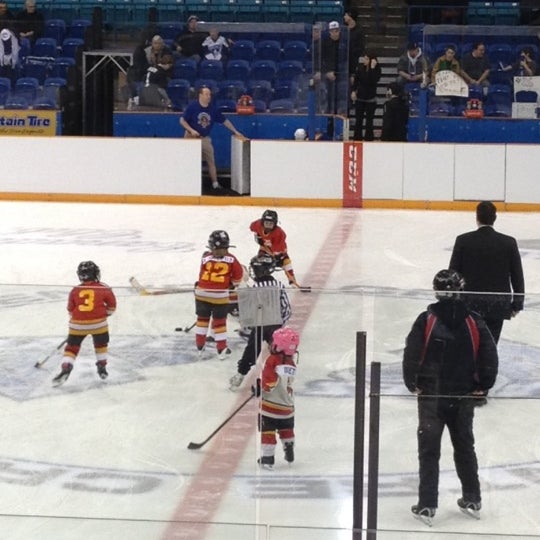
102, 369
224, 353
288, 448
62, 377
424, 513
470, 508
266, 462
200, 352
235, 381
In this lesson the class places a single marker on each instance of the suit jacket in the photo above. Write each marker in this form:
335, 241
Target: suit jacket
490, 262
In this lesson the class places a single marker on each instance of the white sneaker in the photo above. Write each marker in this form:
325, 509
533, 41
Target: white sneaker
236, 380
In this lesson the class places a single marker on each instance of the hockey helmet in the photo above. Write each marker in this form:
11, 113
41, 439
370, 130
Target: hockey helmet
262, 265
270, 215
285, 340
447, 284
218, 240
88, 271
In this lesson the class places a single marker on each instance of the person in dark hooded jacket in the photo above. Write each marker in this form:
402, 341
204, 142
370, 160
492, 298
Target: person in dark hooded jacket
450, 359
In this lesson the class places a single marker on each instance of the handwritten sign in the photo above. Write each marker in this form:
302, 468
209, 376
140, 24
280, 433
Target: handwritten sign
448, 83
526, 83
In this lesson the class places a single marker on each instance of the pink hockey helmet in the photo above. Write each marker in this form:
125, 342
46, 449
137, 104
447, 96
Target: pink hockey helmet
285, 340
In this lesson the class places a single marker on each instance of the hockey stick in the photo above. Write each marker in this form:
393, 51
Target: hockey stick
143, 291
196, 446
57, 348
186, 329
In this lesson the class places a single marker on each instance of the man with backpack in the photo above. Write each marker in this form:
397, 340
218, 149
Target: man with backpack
450, 360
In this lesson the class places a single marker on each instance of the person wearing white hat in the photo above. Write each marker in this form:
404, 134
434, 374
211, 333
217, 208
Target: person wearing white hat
331, 64
9, 54
300, 135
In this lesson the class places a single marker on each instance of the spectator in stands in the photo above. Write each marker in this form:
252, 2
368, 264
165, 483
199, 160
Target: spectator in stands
215, 46
7, 19
188, 43
9, 54
412, 66
524, 66
156, 51
446, 62
154, 92
475, 66
395, 115
332, 64
356, 39
30, 22
364, 95
136, 72
198, 119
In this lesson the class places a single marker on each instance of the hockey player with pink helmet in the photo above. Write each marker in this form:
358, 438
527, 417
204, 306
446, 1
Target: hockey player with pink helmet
277, 396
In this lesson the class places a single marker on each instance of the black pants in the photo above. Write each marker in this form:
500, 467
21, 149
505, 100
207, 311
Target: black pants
433, 415
253, 347
495, 327
364, 110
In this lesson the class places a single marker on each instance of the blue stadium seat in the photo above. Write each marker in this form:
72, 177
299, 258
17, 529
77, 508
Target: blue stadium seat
263, 70
185, 68
260, 105
45, 47
70, 46
281, 106
211, 69
169, 29
302, 11
17, 102
226, 105
238, 70
268, 49
440, 107
52, 88
277, 10
498, 104
37, 69
328, 10
27, 87
209, 83
243, 49
500, 89
77, 28
55, 29
261, 91
289, 69
43, 103
286, 89
295, 50
231, 89
476, 91
25, 50
249, 11
500, 52
178, 92
5, 89
61, 66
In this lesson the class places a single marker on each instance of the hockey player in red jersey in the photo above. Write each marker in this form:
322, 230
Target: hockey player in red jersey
277, 403
220, 271
89, 305
272, 240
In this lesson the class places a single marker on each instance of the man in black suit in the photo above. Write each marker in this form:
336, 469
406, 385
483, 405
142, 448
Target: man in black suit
490, 263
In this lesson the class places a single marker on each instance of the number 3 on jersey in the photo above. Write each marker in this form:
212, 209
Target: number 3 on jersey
87, 296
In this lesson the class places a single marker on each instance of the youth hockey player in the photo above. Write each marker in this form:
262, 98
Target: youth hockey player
277, 403
450, 360
219, 271
262, 267
89, 305
272, 240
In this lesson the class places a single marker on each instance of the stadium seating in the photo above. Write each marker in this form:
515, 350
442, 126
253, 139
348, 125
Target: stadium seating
226, 105
268, 49
281, 106
276, 10
45, 47
43, 103
249, 11
500, 53
295, 50
77, 28
61, 66
211, 69
238, 70
55, 29
261, 91
37, 69
178, 92
231, 89
169, 29
263, 70
70, 46
243, 49
289, 69
52, 89
17, 102
208, 83
185, 68
5, 89
27, 87
526, 96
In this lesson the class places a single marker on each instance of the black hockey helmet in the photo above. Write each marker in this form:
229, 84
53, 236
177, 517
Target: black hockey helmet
262, 265
88, 271
218, 240
448, 283
270, 215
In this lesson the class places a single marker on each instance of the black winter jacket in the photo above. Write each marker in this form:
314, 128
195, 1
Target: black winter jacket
447, 362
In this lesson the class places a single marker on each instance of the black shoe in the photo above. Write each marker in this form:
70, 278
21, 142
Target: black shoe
288, 448
424, 513
480, 402
62, 377
470, 507
102, 369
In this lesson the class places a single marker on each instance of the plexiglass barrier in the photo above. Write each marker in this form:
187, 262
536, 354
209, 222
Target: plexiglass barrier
101, 459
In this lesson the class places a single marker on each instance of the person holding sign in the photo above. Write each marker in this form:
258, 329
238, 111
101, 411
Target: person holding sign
446, 62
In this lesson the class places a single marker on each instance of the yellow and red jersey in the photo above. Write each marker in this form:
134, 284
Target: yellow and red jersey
89, 305
277, 386
216, 276
273, 242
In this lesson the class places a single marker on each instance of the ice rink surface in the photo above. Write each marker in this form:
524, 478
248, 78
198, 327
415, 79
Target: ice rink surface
108, 459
